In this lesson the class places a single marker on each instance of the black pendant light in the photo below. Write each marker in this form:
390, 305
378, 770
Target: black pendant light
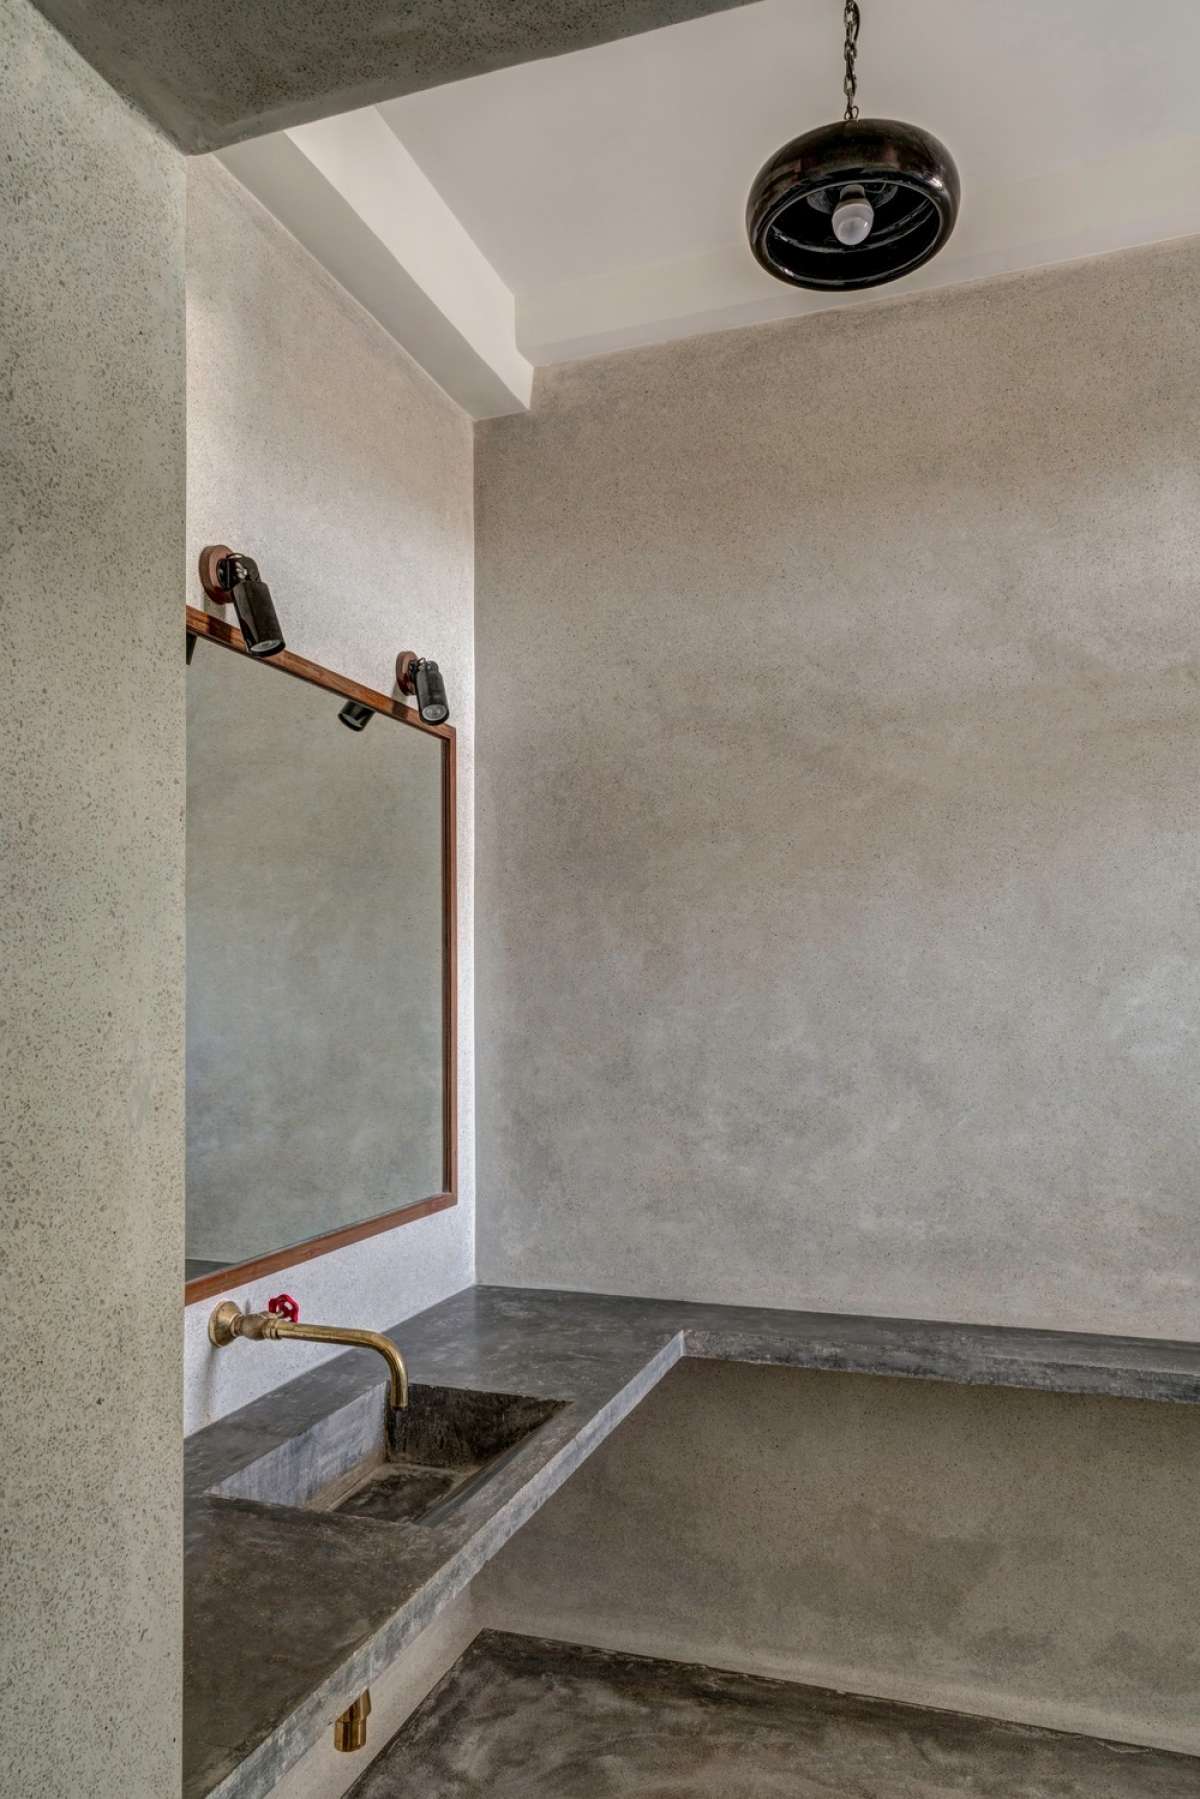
856, 203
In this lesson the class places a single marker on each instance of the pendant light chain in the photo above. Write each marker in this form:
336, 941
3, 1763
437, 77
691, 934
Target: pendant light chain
850, 84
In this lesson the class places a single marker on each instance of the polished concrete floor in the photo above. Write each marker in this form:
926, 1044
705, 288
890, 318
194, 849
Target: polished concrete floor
520, 1718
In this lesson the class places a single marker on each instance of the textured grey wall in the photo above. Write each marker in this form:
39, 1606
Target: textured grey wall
320, 448
314, 962
1018, 1555
91, 1054
838, 930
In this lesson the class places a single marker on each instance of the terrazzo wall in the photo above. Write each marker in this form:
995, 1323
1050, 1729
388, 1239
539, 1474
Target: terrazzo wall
318, 446
91, 1084
838, 935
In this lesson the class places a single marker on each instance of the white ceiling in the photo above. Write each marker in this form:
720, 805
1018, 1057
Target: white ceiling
606, 189
643, 150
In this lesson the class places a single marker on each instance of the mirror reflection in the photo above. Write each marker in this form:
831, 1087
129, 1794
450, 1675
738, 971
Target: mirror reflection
315, 1027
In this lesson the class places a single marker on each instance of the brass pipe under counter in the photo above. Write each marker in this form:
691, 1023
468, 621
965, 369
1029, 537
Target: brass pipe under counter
228, 1322
350, 1727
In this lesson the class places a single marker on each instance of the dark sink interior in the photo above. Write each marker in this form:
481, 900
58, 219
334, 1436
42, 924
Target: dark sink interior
445, 1443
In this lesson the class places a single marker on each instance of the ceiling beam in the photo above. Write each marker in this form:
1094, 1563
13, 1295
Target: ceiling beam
212, 74
352, 194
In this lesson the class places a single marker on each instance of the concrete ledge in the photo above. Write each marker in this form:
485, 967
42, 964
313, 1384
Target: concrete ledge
290, 1613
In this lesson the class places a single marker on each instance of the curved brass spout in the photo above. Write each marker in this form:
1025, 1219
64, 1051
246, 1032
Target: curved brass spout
229, 1322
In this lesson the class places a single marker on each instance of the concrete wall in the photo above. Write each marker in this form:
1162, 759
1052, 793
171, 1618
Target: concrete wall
838, 936
1019, 1555
91, 949
318, 446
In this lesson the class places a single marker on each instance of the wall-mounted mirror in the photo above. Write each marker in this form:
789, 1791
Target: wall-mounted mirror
320, 962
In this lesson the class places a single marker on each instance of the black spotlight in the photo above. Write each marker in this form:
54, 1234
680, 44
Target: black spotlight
355, 715
227, 575
417, 675
856, 203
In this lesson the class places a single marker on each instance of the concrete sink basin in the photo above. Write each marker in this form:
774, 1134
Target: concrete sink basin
366, 1461
441, 1448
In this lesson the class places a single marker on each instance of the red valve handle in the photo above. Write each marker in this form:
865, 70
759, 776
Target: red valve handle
284, 1306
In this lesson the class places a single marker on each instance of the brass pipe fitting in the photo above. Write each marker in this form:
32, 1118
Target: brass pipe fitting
350, 1727
229, 1322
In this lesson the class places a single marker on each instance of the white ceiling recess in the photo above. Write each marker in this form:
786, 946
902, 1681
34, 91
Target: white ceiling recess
603, 192
348, 189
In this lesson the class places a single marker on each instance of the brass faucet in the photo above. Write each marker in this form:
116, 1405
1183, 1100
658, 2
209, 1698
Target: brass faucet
229, 1322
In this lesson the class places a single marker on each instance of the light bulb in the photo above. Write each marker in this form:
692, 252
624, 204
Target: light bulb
853, 217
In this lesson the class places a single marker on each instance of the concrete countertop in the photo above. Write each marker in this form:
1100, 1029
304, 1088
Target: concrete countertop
291, 1613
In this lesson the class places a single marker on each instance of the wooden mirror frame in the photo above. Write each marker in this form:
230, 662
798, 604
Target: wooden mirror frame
204, 1286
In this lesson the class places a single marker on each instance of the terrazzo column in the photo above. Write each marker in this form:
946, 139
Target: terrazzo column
91, 766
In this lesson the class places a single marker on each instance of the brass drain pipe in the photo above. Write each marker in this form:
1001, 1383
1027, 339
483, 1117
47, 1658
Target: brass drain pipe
350, 1729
